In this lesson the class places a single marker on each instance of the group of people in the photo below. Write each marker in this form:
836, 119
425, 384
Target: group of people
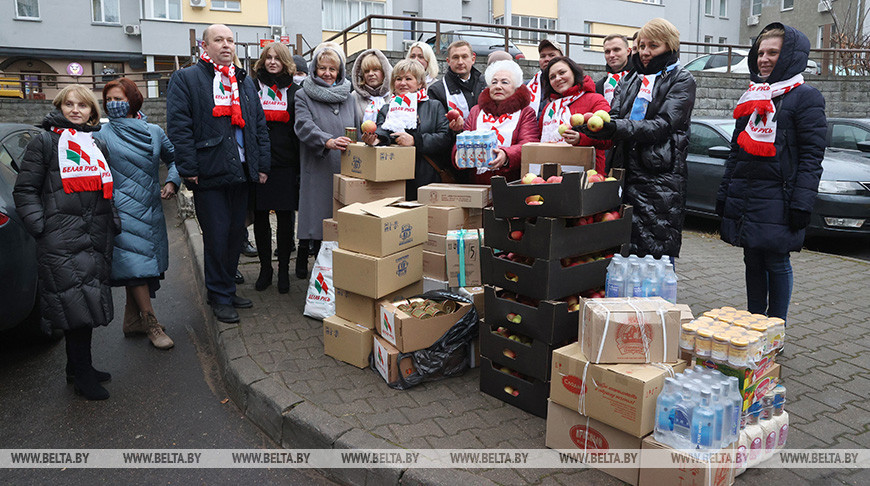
271, 141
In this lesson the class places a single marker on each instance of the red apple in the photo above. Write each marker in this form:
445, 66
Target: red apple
453, 114
369, 126
554, 179
587, 116
539, 180
516, 235
611, 216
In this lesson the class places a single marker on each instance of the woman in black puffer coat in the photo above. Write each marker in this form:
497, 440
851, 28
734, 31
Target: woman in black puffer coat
651, 111
772, 176
74, 223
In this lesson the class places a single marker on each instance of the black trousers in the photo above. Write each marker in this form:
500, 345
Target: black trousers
221, 214
284, 236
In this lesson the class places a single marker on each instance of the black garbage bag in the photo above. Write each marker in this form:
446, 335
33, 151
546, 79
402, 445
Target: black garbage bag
449, 356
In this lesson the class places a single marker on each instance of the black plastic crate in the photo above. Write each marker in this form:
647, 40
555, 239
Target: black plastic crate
531, 394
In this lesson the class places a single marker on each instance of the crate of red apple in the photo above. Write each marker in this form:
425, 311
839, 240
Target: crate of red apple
550, 321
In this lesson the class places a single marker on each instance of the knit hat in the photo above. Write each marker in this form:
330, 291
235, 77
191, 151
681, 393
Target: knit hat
301, 64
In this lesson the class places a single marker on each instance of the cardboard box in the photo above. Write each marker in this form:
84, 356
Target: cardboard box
378, 164
569, 157
443, 219
336, 205
376, 277
436, 243
363, 310
435, 265
685, 313
387, 361
434, 284
346, 341
693, 472
543, 279
620, 395
567, 429
529, 358
611, 333
463, 270
570, 198
330, 230
531, 394
381, 227
549, 321
753, 383
552, 238
459, 195
408, 333
349, 190
476, 294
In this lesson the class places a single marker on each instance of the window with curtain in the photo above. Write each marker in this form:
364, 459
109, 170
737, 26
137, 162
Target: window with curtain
27, 9
166, 9
340, 14
756, 7
723, 8
106, 11
708, 7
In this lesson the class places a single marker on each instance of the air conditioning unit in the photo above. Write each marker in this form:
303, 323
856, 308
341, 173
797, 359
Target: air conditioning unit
131, 29
277, 30
752, 20
824, 6
197, 3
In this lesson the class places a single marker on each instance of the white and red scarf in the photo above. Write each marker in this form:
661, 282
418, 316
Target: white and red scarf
610, 84
274, 102
374, 106
757, 102
534, 86
226, 97
402, 113
504, 125
455, 101
82, 165
557, 112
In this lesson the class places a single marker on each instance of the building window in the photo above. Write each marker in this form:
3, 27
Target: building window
756, 7
723, 40
340, 14
228, 5
723, 9
106, 11
787, 5
166, 9
708, 39
527, 37
708, 7
820, 37
27, 9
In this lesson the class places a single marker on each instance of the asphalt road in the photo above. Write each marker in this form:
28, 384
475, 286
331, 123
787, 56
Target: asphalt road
159, 399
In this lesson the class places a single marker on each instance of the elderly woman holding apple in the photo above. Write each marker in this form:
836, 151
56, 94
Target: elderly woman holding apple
503, 107
411, 119
569, 94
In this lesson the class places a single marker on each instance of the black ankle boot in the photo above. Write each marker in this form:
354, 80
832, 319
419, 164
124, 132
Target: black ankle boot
78, 351
283, 279
302, 259
101, 376
265, 278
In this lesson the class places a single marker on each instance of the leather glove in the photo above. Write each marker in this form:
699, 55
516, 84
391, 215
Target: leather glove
797, 219
606, 133
720, 208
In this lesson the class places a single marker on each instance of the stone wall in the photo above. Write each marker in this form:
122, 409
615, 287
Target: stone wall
31, 112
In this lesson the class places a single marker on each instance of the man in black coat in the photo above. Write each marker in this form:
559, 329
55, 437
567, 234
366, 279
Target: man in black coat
217, 125
461, 85
617, 56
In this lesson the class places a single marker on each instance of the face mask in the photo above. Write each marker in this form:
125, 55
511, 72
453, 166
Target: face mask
299, 78
117, 109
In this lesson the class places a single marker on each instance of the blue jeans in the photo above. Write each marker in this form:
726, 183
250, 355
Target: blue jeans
769, 282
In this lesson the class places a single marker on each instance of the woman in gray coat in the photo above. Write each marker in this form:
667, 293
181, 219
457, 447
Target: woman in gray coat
324, 108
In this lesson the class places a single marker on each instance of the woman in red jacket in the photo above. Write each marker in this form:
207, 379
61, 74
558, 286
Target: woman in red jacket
504, 107
569, 91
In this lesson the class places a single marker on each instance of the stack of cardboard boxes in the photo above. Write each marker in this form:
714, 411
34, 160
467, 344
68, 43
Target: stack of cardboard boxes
537, 261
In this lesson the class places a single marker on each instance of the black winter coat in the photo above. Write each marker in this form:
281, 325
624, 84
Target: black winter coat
470, 89
74, 235
756, 192
205, 145
653, 153
281, 190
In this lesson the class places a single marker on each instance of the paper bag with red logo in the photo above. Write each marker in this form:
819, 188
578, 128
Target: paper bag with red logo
630, 330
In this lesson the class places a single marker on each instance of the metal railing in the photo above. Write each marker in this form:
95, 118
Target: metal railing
43, 85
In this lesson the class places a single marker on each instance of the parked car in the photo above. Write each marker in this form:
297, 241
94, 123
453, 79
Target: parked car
842, 206
482, 42
717, 62
852, 134
18, 271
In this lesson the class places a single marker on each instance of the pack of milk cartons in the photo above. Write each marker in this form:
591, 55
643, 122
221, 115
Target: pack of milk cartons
476, 149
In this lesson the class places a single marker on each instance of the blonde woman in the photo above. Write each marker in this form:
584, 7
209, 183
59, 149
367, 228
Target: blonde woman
371, 83
423, 53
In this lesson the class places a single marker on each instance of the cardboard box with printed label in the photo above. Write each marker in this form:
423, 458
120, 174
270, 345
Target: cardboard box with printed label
436, 243
569, 157
463, 270
346, 341
363, 310
349, 190
330, 230
376, 277
434, 265
379, 164
567, 429
381, 227
523, 392
693, 471
408, 333
630, 330
476, 294
443, 219
459, 195
387, 361
620, 395
753, 382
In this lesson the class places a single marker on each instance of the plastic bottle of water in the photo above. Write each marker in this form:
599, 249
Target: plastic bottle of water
683, 411
703, 423
634, 282
651, 281
615, 285
668, 398
736, 406
669, 285
719, 425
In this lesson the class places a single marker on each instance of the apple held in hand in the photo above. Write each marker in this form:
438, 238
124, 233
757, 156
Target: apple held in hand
528, 178
577, 120
453, 114
605, 116
369, 126
595, 123
516, 235
563, 128
587, 116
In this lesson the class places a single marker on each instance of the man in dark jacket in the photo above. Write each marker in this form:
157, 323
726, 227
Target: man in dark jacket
216, 123
461, 85
617, 56
772, 176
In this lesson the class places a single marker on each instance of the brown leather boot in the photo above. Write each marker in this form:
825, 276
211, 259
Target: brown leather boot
133, 322
155, 332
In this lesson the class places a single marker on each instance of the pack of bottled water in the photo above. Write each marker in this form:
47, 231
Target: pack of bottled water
633, 276
699, 409
476, 149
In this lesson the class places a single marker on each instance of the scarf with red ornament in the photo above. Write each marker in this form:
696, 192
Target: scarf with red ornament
82, 165
402, 112
274, 102
226, 98
757, 102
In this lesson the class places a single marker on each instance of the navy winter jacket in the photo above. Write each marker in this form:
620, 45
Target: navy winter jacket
757, 193
205, 145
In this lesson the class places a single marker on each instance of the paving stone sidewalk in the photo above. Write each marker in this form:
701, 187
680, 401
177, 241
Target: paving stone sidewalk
276, 371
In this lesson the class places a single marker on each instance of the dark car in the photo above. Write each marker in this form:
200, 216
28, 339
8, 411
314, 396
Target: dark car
842, 206
18, 273
850, 134
482, 42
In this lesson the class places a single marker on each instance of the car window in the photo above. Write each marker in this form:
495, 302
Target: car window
17, 143
847, 136
697, 64
702, 138
5, 158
